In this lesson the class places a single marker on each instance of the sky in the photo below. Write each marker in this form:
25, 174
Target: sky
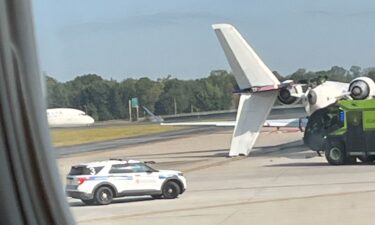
120, 39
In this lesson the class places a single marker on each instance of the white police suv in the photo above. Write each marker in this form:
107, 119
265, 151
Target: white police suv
100, 182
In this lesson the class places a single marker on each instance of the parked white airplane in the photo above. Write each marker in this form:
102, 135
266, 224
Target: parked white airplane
66, 117
259, 89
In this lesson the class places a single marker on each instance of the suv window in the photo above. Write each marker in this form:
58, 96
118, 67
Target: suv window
130, 168
84, 170
140, 167
121, 168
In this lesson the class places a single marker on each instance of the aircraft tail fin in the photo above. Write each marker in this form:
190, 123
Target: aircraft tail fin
154, 118
250, 73
248, 69
253, 110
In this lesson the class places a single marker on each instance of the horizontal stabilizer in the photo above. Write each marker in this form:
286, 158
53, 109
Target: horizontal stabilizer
251, 115
248, 69
300, 123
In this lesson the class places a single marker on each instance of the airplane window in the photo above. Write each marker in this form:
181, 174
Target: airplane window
169, 82
31, 189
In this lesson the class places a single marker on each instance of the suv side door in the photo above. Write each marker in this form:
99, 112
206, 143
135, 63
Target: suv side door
121, 175
146, 178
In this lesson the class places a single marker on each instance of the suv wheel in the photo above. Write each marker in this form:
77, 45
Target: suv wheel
171, 190
103, 196
335, 153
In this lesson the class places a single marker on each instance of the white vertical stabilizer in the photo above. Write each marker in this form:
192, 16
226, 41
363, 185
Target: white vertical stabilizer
248, 69
253, 111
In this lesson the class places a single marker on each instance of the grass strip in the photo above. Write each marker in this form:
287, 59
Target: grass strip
75, 136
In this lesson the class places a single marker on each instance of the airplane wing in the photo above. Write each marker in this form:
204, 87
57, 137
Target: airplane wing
218, 124
296, 122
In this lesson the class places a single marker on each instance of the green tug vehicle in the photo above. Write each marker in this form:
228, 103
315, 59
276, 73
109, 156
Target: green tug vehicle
349, 132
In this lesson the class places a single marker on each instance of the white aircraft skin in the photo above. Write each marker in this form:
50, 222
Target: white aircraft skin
268, 123
154, 118
326, 94
329, 92
260, 88
67, 117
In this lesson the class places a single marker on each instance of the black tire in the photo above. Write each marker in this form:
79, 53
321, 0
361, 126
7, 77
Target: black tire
335, 153
88, 201
157, 196
103, 195
171, 190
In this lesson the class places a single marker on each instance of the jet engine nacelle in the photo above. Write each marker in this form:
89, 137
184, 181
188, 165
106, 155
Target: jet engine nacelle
362, 88
290, 95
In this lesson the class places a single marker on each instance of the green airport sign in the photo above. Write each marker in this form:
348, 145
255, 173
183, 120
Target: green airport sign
134, 102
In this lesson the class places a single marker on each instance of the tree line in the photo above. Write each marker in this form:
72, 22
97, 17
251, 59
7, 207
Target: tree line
109, 99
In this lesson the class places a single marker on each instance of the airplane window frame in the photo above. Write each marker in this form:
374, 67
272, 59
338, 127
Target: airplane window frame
30, 187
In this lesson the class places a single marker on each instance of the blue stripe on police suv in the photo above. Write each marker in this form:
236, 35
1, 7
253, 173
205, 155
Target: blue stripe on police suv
113, 177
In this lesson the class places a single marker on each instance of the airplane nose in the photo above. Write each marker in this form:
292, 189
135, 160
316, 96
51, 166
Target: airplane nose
90, 120
312, 97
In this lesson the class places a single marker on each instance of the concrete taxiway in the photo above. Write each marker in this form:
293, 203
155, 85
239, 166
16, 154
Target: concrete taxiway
282, 182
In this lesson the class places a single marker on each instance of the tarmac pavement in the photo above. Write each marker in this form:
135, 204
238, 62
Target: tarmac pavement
281, 182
